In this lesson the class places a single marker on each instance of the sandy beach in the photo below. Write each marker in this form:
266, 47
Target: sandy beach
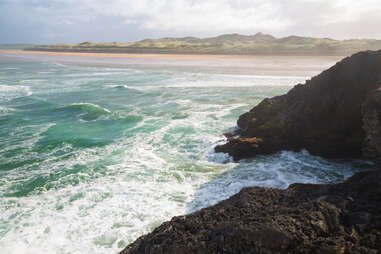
166, 56
224, 64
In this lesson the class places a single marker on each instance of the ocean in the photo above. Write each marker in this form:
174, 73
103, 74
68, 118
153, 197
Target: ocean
95, 152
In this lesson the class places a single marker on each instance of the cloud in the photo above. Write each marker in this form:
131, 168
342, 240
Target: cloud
130, 20
216, 16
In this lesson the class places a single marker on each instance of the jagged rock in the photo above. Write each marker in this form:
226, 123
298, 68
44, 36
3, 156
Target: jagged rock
324, 115
305, 218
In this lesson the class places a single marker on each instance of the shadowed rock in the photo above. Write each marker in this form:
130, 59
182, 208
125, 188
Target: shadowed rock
371, 112
325, 115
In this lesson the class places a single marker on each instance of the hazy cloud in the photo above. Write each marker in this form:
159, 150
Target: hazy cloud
52, 21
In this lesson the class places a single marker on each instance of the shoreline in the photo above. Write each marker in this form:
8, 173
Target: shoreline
163, 56
222, 64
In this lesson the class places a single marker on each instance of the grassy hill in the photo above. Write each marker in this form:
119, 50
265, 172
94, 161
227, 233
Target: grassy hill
16, 46
231, 44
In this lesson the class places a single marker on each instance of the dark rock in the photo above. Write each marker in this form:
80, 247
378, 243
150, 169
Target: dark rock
371, 111
305, 218
335, 114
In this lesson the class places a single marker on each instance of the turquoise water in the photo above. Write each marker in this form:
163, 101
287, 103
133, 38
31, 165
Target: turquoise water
92, 157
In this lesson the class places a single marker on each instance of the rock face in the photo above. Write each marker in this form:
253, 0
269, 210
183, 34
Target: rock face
332, 115
305, 218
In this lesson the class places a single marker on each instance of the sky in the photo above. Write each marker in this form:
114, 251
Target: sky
74, 21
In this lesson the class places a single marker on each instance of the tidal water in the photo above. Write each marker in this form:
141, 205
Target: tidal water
94, 156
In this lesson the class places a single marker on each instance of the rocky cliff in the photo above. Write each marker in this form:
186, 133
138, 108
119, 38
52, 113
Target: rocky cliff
331, 115
335, 114
305, 218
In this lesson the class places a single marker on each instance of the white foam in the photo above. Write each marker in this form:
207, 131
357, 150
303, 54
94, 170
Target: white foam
199, 80
9, 68
10, 92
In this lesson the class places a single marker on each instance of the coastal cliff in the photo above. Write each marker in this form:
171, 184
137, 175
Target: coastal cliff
332, 115
336, 114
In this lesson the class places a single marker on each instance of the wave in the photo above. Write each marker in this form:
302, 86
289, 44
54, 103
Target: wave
45, 72
128, 88
122, 87
60, 64
87, 111
90, 107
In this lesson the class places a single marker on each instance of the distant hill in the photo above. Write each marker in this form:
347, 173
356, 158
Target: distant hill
16, 46
230, 44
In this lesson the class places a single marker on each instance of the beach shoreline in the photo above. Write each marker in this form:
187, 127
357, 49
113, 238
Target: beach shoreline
163, 56
223, 64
